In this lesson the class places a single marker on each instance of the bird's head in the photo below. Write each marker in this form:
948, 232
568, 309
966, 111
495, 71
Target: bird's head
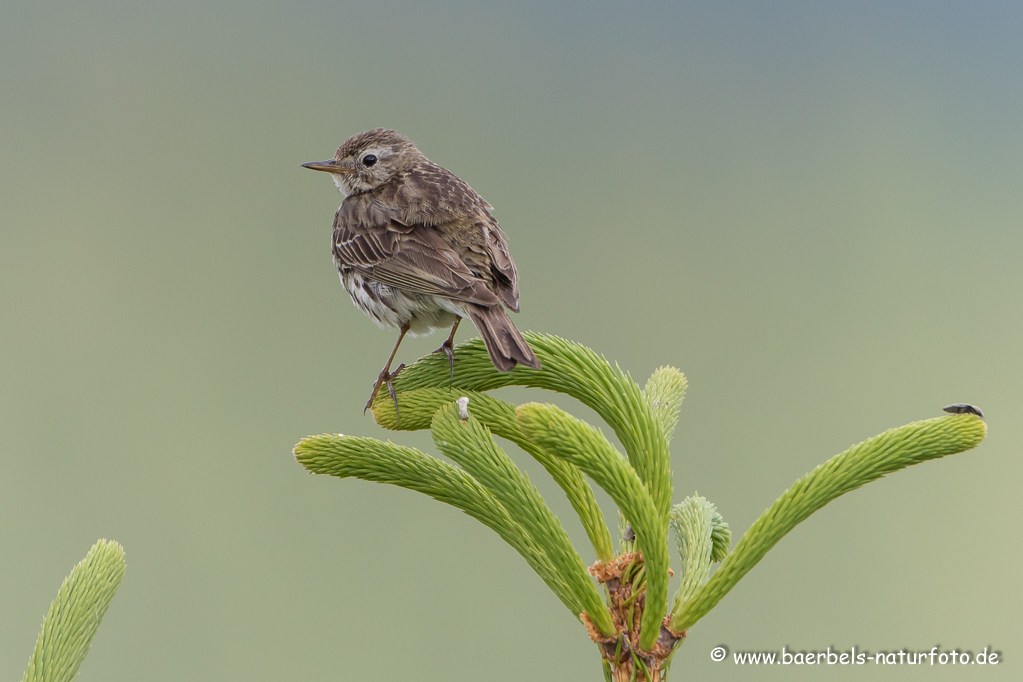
368, 160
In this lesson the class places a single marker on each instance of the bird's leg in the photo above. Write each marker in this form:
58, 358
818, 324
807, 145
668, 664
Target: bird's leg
447, 348
386, 375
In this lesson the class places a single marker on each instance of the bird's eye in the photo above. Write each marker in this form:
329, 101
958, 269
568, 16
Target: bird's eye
369, 160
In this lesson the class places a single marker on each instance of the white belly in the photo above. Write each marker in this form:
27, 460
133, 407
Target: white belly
391, 307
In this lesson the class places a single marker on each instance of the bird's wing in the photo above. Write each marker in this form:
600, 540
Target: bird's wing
411, 257
505, 275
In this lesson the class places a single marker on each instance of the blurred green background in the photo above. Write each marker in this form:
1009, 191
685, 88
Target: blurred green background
813, 209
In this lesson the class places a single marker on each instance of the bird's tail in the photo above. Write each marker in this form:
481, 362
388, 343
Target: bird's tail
504, 342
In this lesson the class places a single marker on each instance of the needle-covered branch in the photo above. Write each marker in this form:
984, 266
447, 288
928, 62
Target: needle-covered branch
418, 406
635, 638
572, 369
469, 443
586, 447
370, 459
868, 461
75, 615
703, 538
664, 391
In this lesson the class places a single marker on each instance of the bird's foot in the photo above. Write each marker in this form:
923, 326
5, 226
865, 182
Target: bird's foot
385, 378
448, 349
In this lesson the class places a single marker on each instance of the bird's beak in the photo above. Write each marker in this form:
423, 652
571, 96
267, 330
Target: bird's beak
330, 166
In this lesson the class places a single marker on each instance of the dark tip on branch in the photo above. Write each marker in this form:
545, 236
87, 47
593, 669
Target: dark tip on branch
963, 408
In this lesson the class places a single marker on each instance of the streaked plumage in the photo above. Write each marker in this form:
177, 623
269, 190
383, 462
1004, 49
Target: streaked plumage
417, 248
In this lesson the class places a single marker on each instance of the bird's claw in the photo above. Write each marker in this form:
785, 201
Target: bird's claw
386, 378
448, 349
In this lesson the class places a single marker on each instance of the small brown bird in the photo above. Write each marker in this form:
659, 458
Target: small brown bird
418, 249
